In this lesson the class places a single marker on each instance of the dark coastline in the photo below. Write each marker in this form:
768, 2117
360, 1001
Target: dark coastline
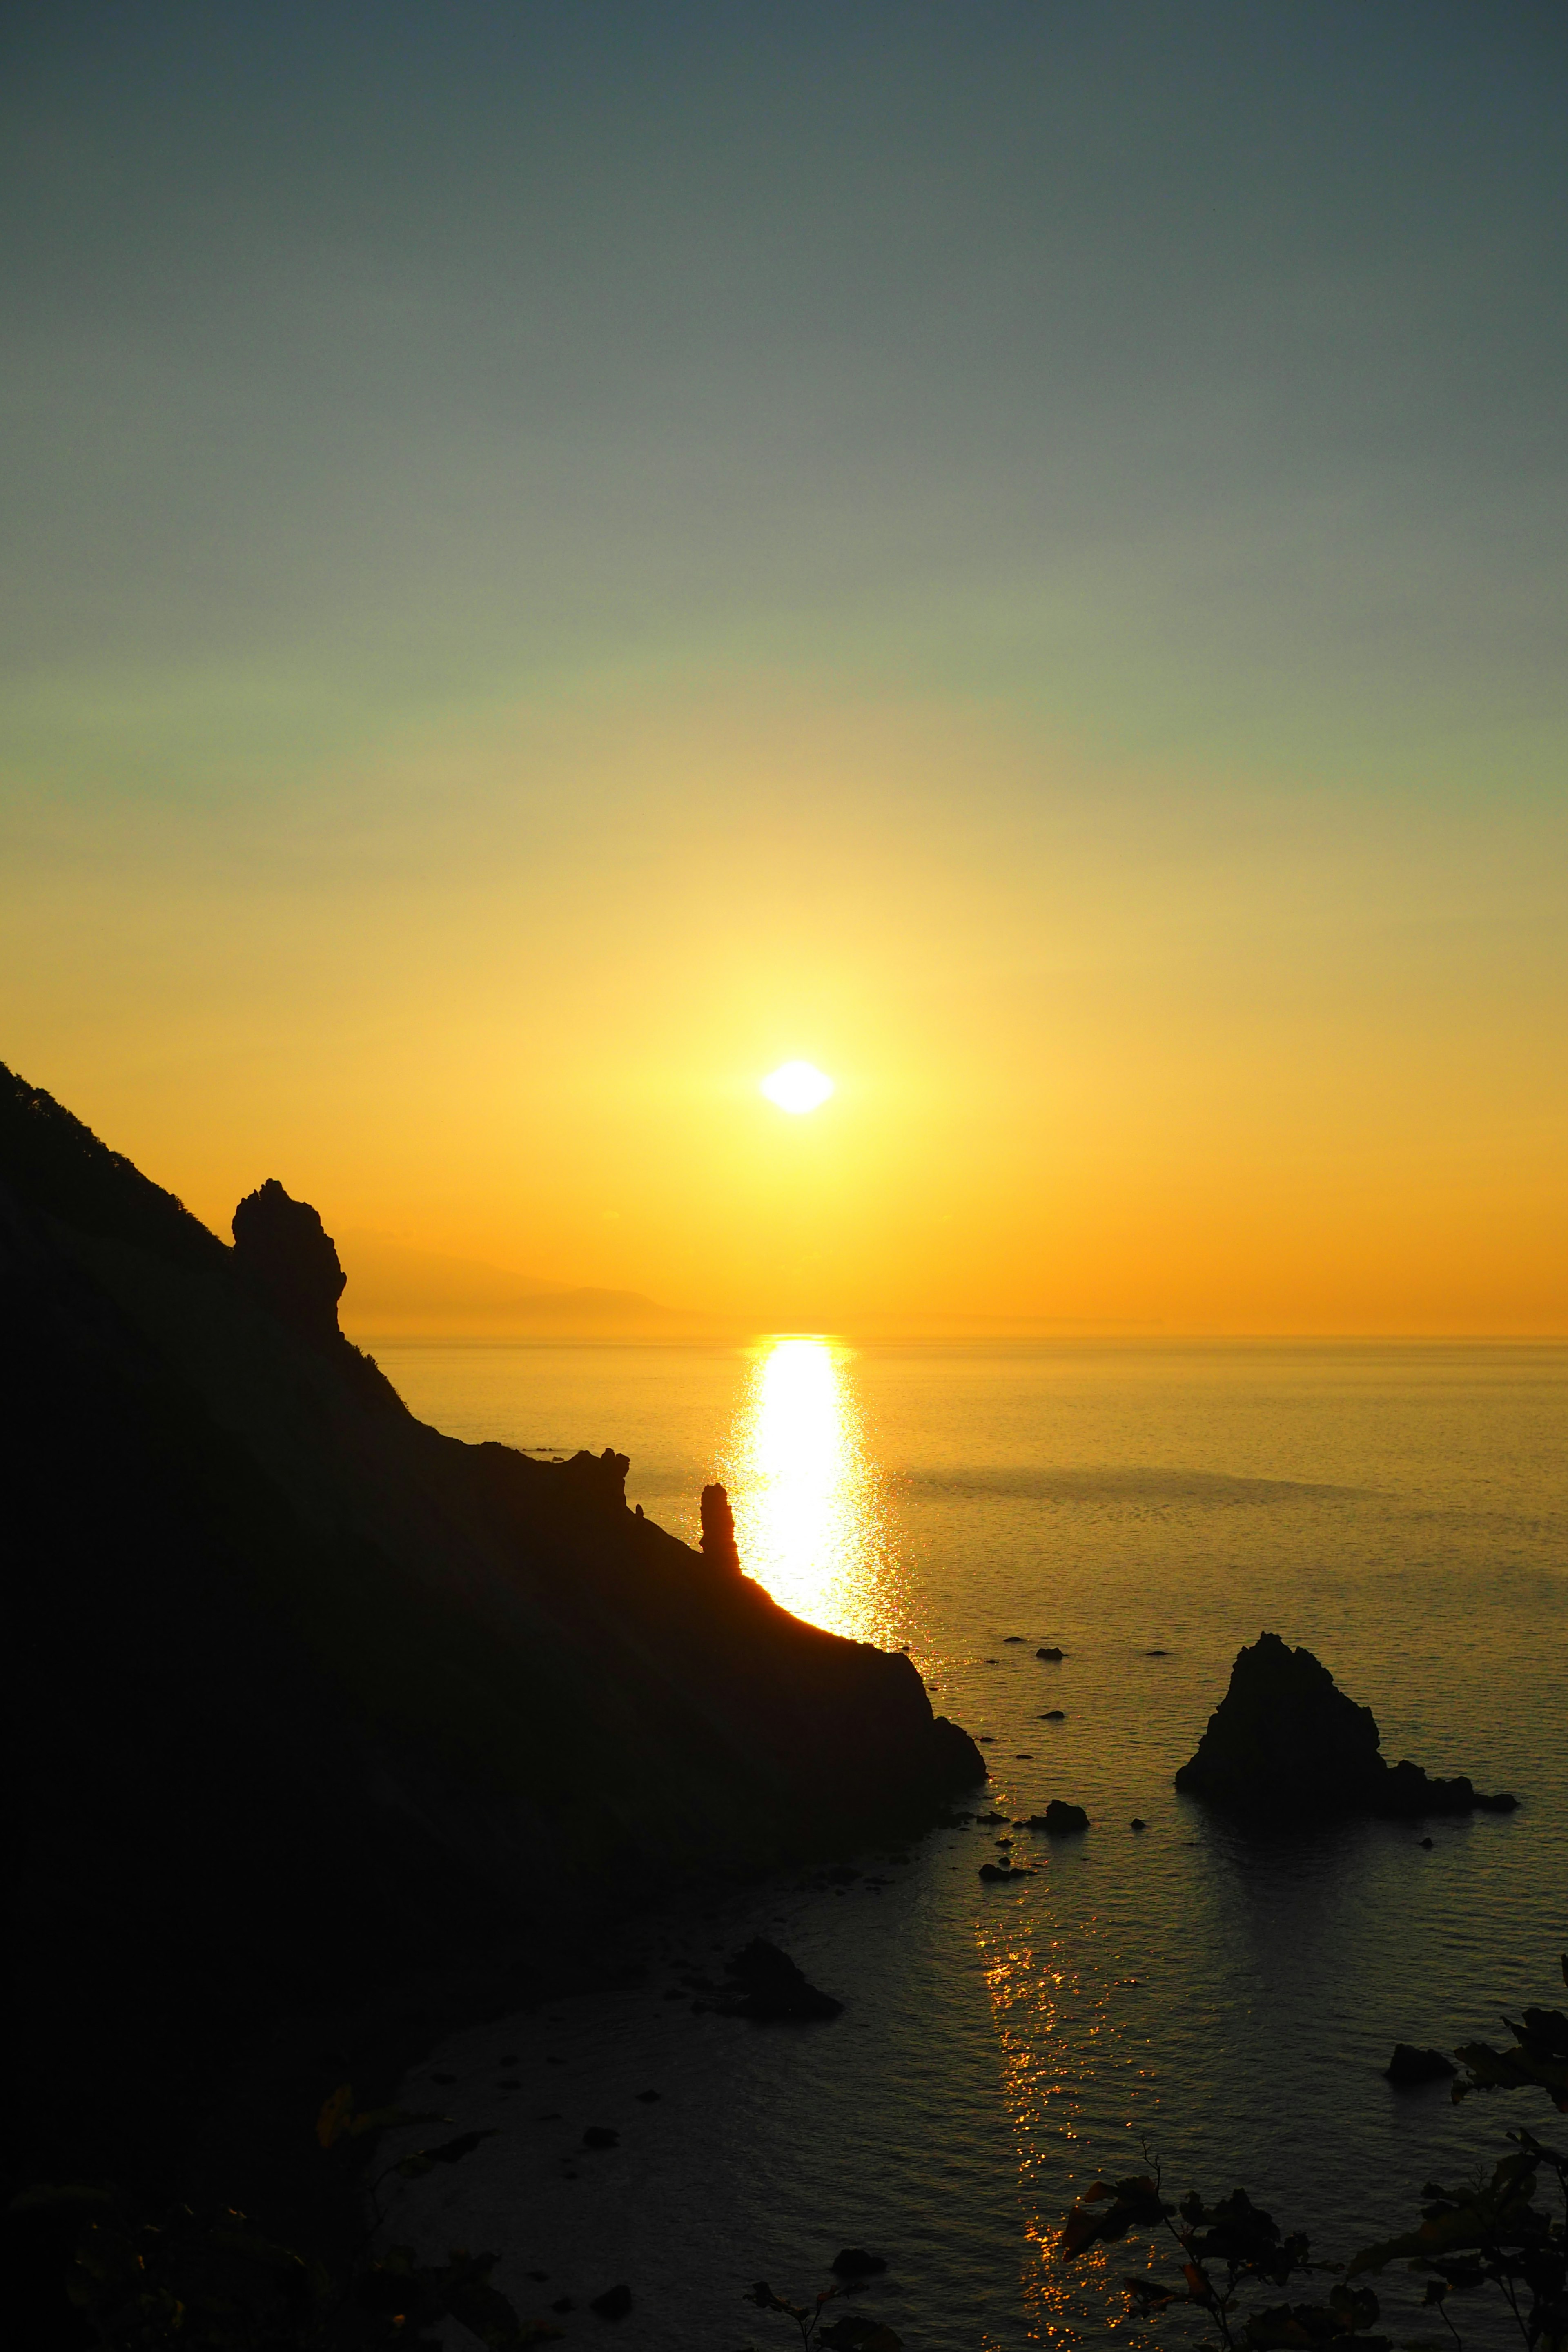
332, 1733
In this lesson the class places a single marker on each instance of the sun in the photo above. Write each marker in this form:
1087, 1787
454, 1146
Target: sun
797, 1087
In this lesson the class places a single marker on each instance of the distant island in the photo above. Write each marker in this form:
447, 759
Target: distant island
310, 1698
396, 1292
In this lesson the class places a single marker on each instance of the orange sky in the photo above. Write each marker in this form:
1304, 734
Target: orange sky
1113, 1045
1018, 563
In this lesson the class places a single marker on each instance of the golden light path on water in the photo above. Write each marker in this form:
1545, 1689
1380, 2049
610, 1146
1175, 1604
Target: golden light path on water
814, 1526
810, 1504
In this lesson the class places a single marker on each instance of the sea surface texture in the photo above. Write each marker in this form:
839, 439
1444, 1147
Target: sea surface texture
1229, 1999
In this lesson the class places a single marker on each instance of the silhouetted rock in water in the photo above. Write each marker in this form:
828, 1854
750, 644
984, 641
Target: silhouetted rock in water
854, 2262
1409, 2065
310, 1699
1136, 1824
613, 2304
1011, 1637
601, 2135
992, 1871
1054, 1715
1055, 1655
1286, 1744
1059, 1817
769, 1987
719, 1529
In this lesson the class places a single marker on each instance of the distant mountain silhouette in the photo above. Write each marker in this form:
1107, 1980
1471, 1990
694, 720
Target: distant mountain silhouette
396, 1292
307, 1696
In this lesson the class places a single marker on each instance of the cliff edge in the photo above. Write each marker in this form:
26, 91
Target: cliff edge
306, 1694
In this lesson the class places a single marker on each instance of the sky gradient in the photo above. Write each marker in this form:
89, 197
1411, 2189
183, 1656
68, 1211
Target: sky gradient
559, 557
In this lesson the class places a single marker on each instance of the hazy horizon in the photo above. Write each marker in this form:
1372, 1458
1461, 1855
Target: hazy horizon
560, 558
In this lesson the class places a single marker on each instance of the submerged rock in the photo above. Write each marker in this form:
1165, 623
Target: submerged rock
991, 1871
1055, 1655
1285, 1743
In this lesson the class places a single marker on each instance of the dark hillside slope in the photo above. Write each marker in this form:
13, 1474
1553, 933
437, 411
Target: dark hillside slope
305, 1695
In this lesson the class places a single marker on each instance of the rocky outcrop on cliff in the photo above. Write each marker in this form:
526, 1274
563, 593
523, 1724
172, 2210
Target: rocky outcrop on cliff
1287, 1744
308, 1694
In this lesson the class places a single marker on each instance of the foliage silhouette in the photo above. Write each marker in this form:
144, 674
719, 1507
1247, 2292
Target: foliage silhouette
1483, 2234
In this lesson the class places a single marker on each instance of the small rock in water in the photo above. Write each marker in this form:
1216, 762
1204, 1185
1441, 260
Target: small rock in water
1136, 1824
1005, 1869
1424, 1842
1156, 1653
1023, 1757
1060, 1816
648, 2098
1409, 2064
1054, 1715
601, 2135
1053, 1654
767, 1985
987, 1740
613, 2304
854, 2262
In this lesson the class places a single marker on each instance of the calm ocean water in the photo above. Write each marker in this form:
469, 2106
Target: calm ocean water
1403, 1510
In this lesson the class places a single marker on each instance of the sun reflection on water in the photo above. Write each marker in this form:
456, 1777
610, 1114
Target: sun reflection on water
810, 1504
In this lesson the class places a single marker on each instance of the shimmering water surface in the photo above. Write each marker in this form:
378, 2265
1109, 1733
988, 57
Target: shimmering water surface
1402, 1511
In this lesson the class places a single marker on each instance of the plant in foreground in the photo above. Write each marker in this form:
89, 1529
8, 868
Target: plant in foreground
852, 2332
1482, 2234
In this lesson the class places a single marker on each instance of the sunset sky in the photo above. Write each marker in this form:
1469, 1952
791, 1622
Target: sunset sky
558, 557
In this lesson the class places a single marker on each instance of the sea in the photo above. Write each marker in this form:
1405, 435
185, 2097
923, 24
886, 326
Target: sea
1182, 1998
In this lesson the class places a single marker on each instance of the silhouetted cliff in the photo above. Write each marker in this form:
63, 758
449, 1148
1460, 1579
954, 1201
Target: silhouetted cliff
308, 1694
